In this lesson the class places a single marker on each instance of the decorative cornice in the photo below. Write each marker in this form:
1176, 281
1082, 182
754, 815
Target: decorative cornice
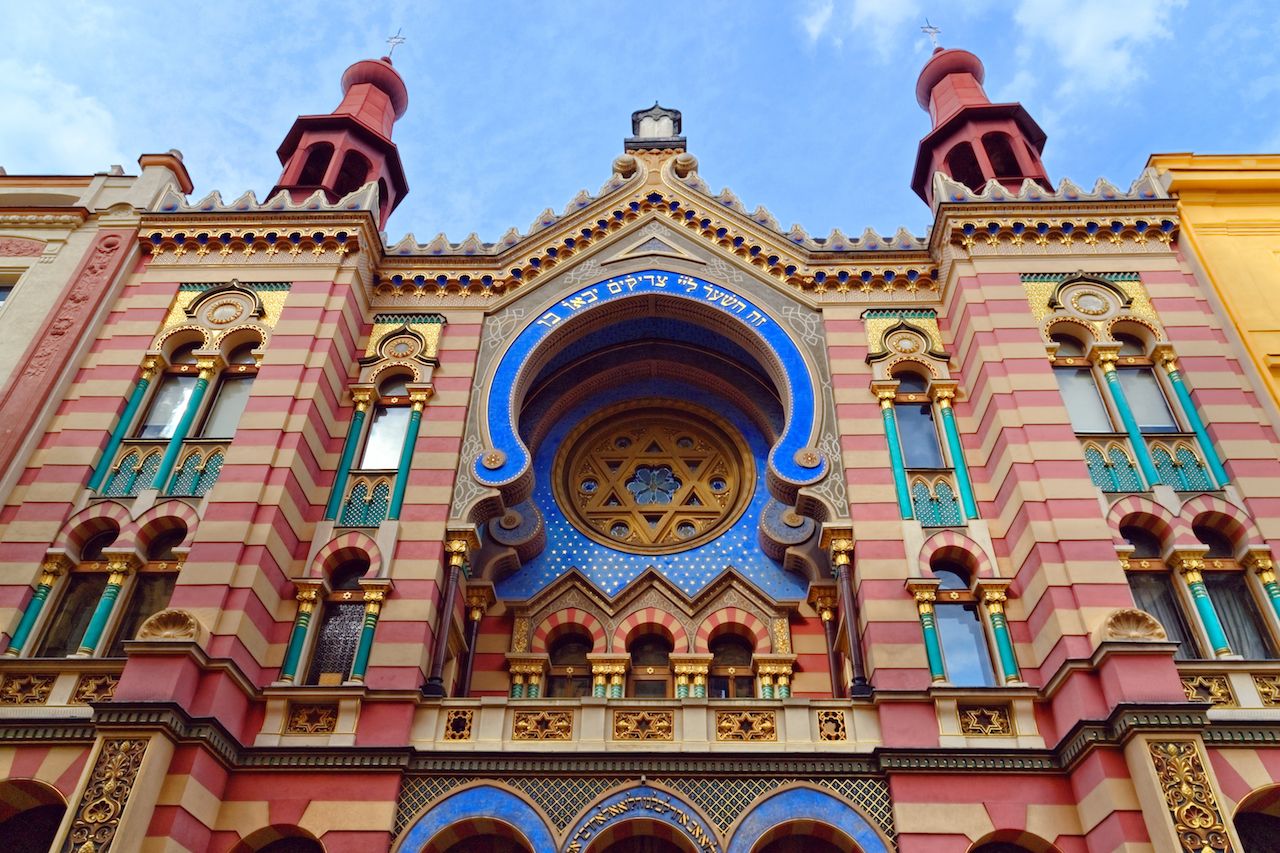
249, 244
1147, 187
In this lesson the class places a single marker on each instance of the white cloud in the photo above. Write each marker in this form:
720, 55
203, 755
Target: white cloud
51, 126
816, 20
1094, 41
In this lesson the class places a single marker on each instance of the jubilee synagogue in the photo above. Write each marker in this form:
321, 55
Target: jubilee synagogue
657, 527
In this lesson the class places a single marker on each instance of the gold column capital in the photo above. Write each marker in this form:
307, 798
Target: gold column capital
1259, 560
459, 544
943, 392
823, 598
925, 592
53, 567
839, 542
121, 566
885, 391
1188, 563
362, 397
479, 598
1164, 355
307, 594
420, 394
150, 365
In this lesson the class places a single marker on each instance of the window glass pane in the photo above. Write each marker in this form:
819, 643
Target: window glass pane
75, 609
151, 594
650, 650
1239, 615
964, 646
1083, 402
909, 381
5, 290
571, 650
651, 689
386, 438
1068, 346
1150, 409
1153, 591
233, 393
919, 436
568, 687
167, 407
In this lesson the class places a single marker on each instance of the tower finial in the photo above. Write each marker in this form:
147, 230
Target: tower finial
932, 32
397, 40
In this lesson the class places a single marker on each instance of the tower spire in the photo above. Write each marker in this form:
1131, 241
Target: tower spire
340, 152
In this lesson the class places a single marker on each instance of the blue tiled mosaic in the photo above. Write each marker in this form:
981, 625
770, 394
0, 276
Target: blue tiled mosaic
612, 570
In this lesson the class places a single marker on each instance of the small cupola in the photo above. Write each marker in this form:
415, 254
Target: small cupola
340, 152
973, 140
655, 129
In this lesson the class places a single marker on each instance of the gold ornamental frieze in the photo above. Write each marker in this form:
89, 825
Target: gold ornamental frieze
1196, 817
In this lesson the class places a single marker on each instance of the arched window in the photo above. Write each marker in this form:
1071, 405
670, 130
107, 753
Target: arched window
1000, 152
353, 174
169, 400
234, 386
965, 652
318, 157
962, 165
802, 844
650, 667
1233, 597
731, 675
1259, 832
30, 813
1142, 388
384, 441
151, 589
570, 669
1154, 591
78, 598
341, 621
1079, 389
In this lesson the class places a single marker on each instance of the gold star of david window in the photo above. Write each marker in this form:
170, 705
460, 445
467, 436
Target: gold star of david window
654, 477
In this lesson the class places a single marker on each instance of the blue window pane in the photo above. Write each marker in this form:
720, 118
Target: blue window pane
964, 645
1150, 409
919, 436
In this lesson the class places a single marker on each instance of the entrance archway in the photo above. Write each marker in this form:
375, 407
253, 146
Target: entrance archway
30, 813
642, 836
1257, 821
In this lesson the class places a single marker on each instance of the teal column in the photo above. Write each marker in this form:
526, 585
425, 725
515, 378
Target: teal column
102, 613
957, 453
766, 687
994, 599
48, 576
615, 688
535, 688
1197, 425
1190, 568
406, 460
122, 428
293, 654
372, 609
517, 686
925, 595
598, 687
181, 431
682, 686
1139, 443
895, 455
348, 456
784, 686
700, 686
1263, 565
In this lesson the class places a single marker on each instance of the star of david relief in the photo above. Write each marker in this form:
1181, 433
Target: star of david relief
655, 478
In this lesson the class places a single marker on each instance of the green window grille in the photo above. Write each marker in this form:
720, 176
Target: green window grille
122, 480
938, 508
209, 476
1183, 469
365, 508
1114, 472
197, 474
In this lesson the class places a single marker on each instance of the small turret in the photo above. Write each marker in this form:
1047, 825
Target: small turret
973, 140
346, 149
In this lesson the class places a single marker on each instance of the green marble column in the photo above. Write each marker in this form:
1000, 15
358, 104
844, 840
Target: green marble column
994, 599
348, 454
122, 426
925, 596
943, 397
1261, 562
895, 454
120, 571
53, 568
293, 653
1191, 565
1139, 443
183, 429
1197, 425
372, 608
406, 455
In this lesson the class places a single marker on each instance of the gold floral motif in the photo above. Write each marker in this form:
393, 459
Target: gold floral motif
746, 726
457, 724
643, 725
831, 726
94, 688
520, 635
98, 816
312, 718
1196, 816
986, 720
27, 688
542, 725
781, 636
1268, 689
1209, 688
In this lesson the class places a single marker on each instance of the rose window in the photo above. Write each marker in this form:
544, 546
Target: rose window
653, 477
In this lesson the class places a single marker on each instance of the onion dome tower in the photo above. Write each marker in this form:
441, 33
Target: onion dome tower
973, 140
346, 149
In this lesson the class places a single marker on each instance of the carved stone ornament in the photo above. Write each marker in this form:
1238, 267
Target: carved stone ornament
746, 726
1196, 816
19, 247
312, 718
95, 688
26, 688
542, 725
986, 721
831, 726
1268, 689
643, 725
1131, 624
457, 724
1209, 688
98, 815
171, 624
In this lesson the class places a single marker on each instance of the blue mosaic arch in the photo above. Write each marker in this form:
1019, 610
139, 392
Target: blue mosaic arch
512, 459
810, 805
482, 801
641, 802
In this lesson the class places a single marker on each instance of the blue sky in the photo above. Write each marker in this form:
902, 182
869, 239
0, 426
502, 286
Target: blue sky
806, 107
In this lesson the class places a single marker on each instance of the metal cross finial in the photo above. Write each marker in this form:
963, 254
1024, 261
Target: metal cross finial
931, 31
397, 40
